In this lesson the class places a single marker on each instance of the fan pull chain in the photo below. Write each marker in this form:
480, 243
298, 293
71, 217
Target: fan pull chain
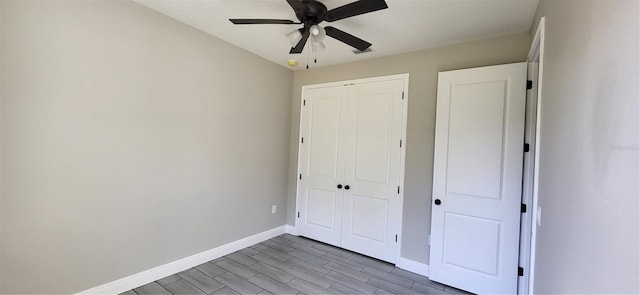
307, 59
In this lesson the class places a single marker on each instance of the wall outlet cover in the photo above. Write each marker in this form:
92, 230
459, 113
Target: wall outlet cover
538, 214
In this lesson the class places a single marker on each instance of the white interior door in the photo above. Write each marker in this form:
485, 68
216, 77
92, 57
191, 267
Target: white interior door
477, 178
322, 164
372, 170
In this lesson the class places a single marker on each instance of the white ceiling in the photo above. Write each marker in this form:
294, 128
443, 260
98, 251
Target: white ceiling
407, 25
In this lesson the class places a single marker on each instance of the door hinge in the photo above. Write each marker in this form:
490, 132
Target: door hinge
529, 84
304, 102
398, 190
523, 208
429, 239
302, 140
526, 147
298, 214
300, 175
520, 271
396, 238
402, 94
400, 142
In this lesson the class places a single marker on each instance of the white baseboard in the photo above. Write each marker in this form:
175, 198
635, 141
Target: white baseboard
156, 273
291, 230
413, 266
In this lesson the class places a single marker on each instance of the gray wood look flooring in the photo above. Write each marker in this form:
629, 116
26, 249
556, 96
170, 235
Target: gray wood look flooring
289, 264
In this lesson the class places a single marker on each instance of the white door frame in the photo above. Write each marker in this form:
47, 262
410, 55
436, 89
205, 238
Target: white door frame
531, 173
405, 78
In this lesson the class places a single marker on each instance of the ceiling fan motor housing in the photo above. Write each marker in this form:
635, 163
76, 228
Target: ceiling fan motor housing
312, 13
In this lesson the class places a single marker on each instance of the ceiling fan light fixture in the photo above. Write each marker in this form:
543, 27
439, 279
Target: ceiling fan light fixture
294, 37
317, 34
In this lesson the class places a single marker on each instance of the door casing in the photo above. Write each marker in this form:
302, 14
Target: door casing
530, 177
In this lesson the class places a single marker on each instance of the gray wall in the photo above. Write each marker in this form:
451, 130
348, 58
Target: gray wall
130, 140
423, 67
588, 240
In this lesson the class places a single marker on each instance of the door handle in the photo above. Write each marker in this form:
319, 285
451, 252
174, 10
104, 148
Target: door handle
346, 187
438, 202
339, 186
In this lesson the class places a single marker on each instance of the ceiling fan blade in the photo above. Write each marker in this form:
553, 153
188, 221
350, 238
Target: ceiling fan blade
355, 8
300, 46
258, 21
347, 38
296, 4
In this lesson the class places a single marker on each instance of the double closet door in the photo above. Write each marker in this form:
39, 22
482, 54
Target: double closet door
350, 166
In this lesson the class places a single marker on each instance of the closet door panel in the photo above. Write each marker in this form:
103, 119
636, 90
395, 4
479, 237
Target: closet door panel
369, 220
321, 208
372, 132
323, 138
322, 150
372, 169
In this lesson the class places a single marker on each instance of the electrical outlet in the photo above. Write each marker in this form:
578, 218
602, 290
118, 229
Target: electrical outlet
274, 209
539, 215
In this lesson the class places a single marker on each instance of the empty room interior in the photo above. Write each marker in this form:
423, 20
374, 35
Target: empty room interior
319, 147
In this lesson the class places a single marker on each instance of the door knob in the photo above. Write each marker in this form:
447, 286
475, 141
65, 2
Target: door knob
438, 202
346, 187
339, 186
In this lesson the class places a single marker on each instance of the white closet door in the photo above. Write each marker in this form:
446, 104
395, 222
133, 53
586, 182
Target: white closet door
477, 178
372, 169
322, 164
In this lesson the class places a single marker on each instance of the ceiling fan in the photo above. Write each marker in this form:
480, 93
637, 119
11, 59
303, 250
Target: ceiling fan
310, 13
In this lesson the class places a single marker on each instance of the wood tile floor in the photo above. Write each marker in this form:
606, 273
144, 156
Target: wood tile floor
289, 264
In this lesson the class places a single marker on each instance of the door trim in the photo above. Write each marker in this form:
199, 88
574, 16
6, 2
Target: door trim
527, 174
530, 178
405, 78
